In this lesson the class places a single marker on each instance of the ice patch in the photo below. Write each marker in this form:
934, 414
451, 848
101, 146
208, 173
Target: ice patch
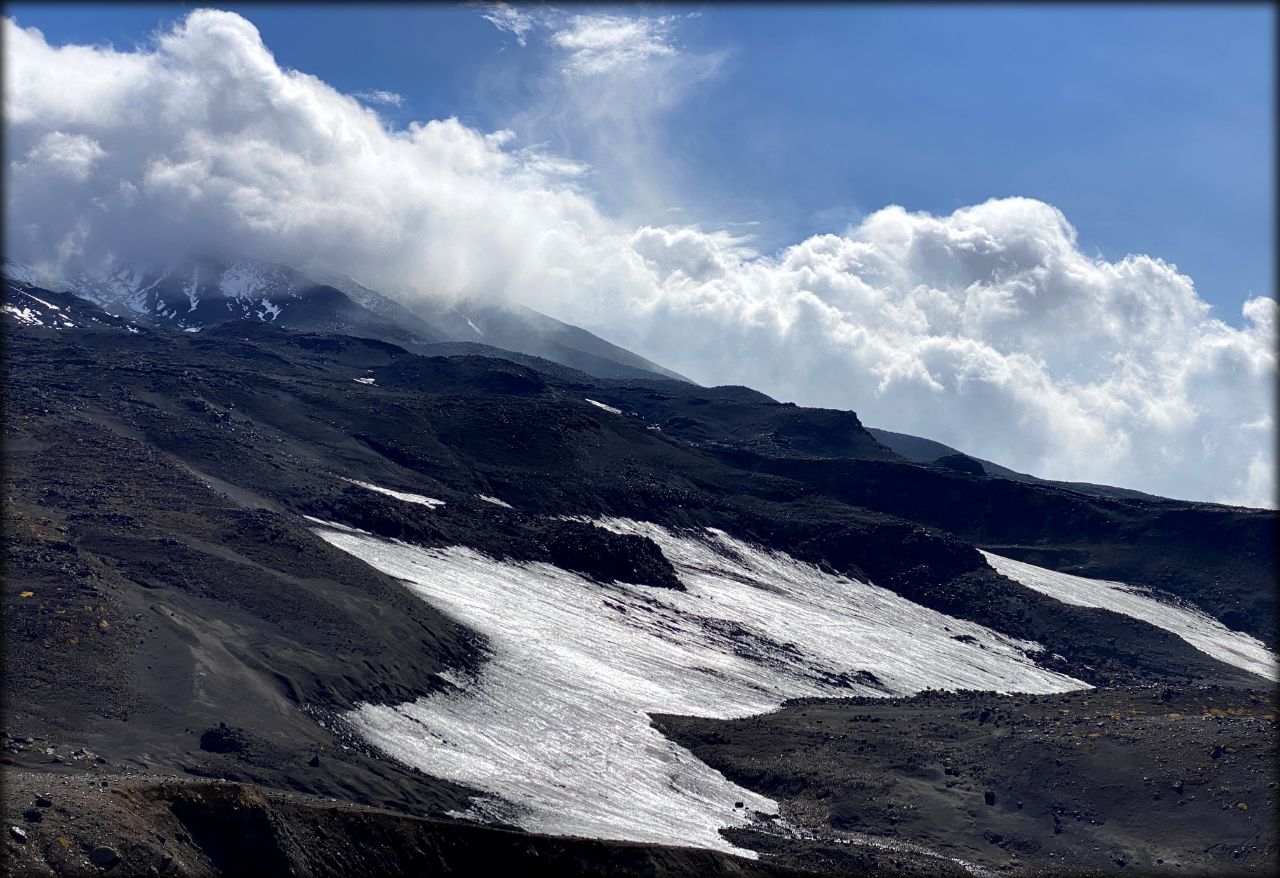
495, 501
363, 380
399, 495
556, 726
607, 408
1194, 626
476, 329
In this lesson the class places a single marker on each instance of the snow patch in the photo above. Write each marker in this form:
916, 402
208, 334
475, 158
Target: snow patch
495, 501
1193, 625
555, 726
241, 280
607, 408
430, 502
363, 380
24, 315
42, 301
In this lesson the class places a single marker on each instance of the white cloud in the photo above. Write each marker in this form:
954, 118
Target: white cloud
69, 155
987, 329
596, 44
590, 43
611, 80
379, 96
506, 17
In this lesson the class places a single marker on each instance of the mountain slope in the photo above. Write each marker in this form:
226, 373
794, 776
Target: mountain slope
31, 306
177, 601
526, 331
512, 328
928, 451
196, 292
193, 294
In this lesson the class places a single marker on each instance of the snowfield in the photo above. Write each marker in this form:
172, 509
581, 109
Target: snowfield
1194, 626
556, 724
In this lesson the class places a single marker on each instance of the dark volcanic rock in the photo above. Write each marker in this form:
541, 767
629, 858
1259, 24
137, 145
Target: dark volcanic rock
104, 857
609, 557
197, 827
1068, 783
962, 463
222, 740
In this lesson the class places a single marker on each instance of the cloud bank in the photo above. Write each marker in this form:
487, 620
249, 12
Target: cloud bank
987, 329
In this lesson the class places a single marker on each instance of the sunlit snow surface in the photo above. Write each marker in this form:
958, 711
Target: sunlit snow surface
608, 408
556, 724
429, 502
1194, 626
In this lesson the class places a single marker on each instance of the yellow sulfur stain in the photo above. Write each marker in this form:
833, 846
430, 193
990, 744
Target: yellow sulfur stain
27, 594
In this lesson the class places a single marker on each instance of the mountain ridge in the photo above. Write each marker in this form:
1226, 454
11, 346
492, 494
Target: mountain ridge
196, 292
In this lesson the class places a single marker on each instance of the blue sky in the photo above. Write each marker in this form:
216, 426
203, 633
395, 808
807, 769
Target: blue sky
1150, 127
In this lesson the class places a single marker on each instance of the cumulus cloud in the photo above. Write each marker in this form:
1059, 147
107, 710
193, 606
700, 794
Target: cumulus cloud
986, 328
990, 330
379, 96
204, 140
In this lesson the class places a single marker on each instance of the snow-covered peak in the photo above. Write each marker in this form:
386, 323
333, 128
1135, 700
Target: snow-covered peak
249, 279
192, 292
19, 272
